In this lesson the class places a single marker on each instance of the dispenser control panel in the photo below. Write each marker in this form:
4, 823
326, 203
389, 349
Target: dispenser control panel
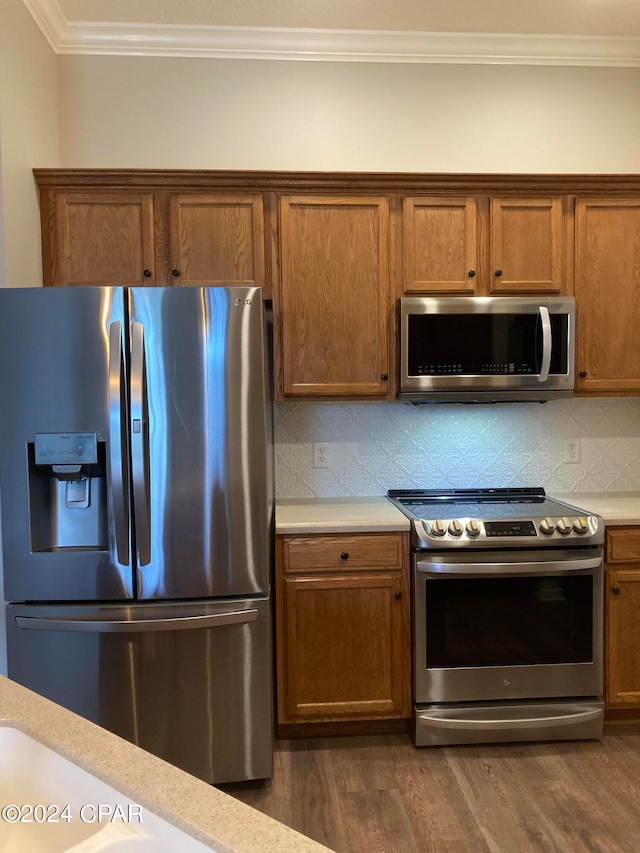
66, 448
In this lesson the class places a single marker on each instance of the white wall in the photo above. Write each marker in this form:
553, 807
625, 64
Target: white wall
28, 136
243, 114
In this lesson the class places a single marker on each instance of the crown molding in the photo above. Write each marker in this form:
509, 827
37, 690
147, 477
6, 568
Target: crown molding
328, 45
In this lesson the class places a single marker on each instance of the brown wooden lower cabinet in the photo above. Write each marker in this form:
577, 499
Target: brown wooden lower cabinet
343, 628
622, 617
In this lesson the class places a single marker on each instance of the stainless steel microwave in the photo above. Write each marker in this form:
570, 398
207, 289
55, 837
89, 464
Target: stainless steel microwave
486, 349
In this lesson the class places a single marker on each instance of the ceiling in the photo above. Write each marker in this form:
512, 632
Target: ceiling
568, 32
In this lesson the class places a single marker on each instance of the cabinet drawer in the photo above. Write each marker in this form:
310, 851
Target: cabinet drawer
623, 545
331, 553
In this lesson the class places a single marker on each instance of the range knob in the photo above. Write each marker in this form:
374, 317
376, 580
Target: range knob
581, 525
564, 526
547, 525
438, 528
455, 528
473, 527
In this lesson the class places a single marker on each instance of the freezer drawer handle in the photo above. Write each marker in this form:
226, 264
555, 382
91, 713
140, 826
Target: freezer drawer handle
132, 626
529, 723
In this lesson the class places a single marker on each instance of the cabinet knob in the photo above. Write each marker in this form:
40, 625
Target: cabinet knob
583, 373
498, 273
471, 273
384, 376
397, 596
175, 272
344, 555
615, 590
147, 273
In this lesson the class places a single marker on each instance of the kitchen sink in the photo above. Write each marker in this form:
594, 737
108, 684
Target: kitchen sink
48, 803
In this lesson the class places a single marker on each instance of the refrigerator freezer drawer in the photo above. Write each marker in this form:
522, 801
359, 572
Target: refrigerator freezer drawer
189, 682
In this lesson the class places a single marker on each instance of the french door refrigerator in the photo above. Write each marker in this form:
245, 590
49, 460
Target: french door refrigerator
137, 515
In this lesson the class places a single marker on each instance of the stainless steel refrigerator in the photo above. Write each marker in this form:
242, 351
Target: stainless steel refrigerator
137, 515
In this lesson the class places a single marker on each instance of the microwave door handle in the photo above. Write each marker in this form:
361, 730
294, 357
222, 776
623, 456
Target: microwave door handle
117, 455
139, 445
546, 344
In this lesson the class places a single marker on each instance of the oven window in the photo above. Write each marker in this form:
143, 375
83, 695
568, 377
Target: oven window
475, 622
484, 344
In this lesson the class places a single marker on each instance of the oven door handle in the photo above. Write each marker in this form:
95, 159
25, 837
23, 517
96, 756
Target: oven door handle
545, 567
452, 722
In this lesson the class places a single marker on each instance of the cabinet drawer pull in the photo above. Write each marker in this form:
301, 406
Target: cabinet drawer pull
471, 273
344, 555
583, 374
384, 376
498, 273
615, 590
146, 273
175, 272
397, 596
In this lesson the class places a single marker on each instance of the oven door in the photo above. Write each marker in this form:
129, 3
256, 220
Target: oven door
502, 625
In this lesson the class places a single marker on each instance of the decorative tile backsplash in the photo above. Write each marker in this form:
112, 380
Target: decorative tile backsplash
373, 447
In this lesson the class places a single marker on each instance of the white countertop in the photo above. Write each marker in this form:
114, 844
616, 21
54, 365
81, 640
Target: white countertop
338, 515
616, 508
376, 514
202, 811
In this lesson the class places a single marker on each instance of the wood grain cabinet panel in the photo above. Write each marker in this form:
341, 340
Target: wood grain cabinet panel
608, 295
480, 245
217, 239
343, 639
334, 296
622, 616
103, 238
527, 246
343, 552
440, 245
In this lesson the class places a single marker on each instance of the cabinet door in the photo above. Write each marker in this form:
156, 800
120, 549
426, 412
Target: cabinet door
527, 246
217, 239
440, 245
608, 295
346, 651
334, 296
623, 636
104, 238
622, 588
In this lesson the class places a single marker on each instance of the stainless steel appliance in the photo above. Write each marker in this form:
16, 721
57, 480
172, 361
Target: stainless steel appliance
137, 515
476, 348
507, 612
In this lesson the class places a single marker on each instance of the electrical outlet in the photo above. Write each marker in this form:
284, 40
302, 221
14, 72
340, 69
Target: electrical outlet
320, 454
572, 450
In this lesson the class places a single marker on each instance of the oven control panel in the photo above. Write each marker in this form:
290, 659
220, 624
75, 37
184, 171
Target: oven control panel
477, 532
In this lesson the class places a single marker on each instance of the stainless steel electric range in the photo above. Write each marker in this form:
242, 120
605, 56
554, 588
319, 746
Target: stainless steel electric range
507, 616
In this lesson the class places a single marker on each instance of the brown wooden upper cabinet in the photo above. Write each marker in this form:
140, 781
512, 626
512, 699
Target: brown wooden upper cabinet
217, 239
608, 295
162, 238
334, 296
102, 238
480, 245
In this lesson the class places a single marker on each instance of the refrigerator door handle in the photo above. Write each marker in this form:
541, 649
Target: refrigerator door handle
139, 445
133, 626
116, 450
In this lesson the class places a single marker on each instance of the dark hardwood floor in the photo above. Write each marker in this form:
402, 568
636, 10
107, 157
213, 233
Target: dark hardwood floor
379, 794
